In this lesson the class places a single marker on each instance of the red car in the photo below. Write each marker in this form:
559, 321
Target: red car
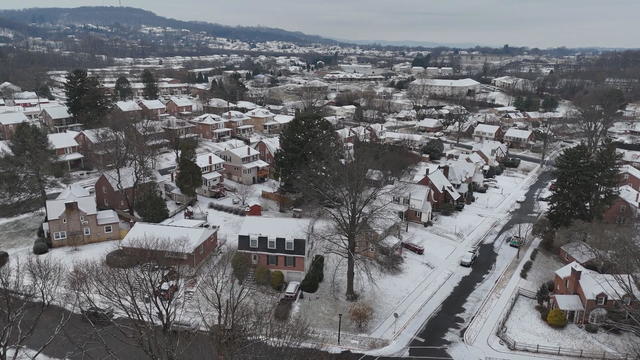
413, 247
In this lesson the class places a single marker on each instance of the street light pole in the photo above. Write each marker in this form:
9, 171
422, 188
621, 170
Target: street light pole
339, 326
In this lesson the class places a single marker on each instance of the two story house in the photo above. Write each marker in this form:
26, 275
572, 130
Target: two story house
58, 119
212, 168
67, 149
277, 243
243, 165
211, 127
73, 219
487, 132
152, 109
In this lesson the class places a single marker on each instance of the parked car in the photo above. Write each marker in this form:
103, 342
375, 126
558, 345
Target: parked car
469, 257
292, 290
98, 315
521, 199
516, 241
439, 134
413, 247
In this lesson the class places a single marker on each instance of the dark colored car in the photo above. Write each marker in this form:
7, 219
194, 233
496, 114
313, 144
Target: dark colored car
97, 315
413, 247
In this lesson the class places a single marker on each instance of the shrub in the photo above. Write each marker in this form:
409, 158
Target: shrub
283, 309
544, 312
40, 247
309, 284
240, 265
277, 280
542, 295
361, 313
447, 209
4, 258
556, 318
263, 275
550, 285
534, 253
314, 276
592, 328
318, 267
525, 269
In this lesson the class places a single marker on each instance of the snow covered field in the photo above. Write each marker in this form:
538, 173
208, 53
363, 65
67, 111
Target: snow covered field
525, 325
20, 231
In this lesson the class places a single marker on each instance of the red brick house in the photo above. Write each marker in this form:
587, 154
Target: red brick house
630, 176
487, 132
277, 243
93, 143
211, 127
179, 106
152, 109
587, 296
67, 149
9, 122
579, 252
624, 207
113, 188
182, 243
442, 191
267, 148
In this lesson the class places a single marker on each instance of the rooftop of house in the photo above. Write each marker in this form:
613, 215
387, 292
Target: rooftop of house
446, 82
518, 134
152, 104
206, 159
127, 106
594, 283
288, 228
72, 194
125, 177
181, 102
57, 112
63, 140
167, 237
260, 113
12, 118
486, 128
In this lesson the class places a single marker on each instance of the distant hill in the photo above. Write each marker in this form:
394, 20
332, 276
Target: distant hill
128, 16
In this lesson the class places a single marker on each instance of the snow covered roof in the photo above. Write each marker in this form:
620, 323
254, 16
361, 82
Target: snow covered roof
220, 103
580, 251
514, 133
429, 123
128, 106
486, 128
152, 104
288, 228
630, 195
234, 115
107, 217
283, 119
12, 118
208, 119
176, 238
628, 169
446, 82
63, 140
569, 302
260, 113
98, 135
181, 102
441, 183
57, 112
74, 193
594, 283
207, 159
126, 177
243, 151
246, 105
273, 144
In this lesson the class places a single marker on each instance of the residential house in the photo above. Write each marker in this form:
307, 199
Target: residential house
116, 188
484, 132
67, 149
152, 109
179, 106
236, 121
244, 166
277, 243
624, 208
445, 87
218, 106
9, 122
184, 243
587, 296
492, 152
258, 117
178, 129
152, 132
413, 203
94, 144
268, 147
129, 108
517, 138
443, 192
58, 119
579, 252
211, 127
212, 168
276, 125
429, 125
73, 219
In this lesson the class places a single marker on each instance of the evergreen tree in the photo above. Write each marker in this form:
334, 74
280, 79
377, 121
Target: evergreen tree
44, 91
189, 174
585, 184
123, 89
435, 149
150, 91
151, 207
519, 103
86, 99
421, 60
549, 103
26, 173
307, 141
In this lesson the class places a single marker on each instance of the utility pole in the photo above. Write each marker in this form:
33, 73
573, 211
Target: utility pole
339, 326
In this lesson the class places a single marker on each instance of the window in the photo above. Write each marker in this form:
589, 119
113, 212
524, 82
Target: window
627, 300
396, 199
104, 189
108, 229
87, 231
271, 244
566, 283
418, 214
405, 201
289, 261
106, 202
64, 220
81, 218
253, 242
288, 244
600, 300
60, 235
272, 260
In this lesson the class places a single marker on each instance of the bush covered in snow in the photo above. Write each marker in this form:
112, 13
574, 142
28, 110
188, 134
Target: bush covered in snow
447, 209
556, 318
525, 269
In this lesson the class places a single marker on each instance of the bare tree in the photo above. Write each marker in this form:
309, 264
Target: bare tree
243, 191
149, 299
357, 209
26, 291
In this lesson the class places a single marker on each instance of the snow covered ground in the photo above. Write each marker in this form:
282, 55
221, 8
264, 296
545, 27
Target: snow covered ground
525, 326
20, 231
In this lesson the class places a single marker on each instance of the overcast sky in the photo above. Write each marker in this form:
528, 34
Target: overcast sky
534, 23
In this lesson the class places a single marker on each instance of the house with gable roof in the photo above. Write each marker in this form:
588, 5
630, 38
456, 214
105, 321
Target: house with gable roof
114, 187
211, 127
73, 219
9, 122
243, 165
443, 192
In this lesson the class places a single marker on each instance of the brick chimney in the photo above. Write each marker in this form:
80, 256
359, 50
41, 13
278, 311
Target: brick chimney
210, 160
248, 150
71, 206
574, 279
445, 170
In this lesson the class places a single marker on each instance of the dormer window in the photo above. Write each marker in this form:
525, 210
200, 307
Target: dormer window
253, 242
600, 300
288, 244
271, 243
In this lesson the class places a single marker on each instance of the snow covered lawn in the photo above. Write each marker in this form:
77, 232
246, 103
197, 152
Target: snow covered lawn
68, 255
525, 325
19, 232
